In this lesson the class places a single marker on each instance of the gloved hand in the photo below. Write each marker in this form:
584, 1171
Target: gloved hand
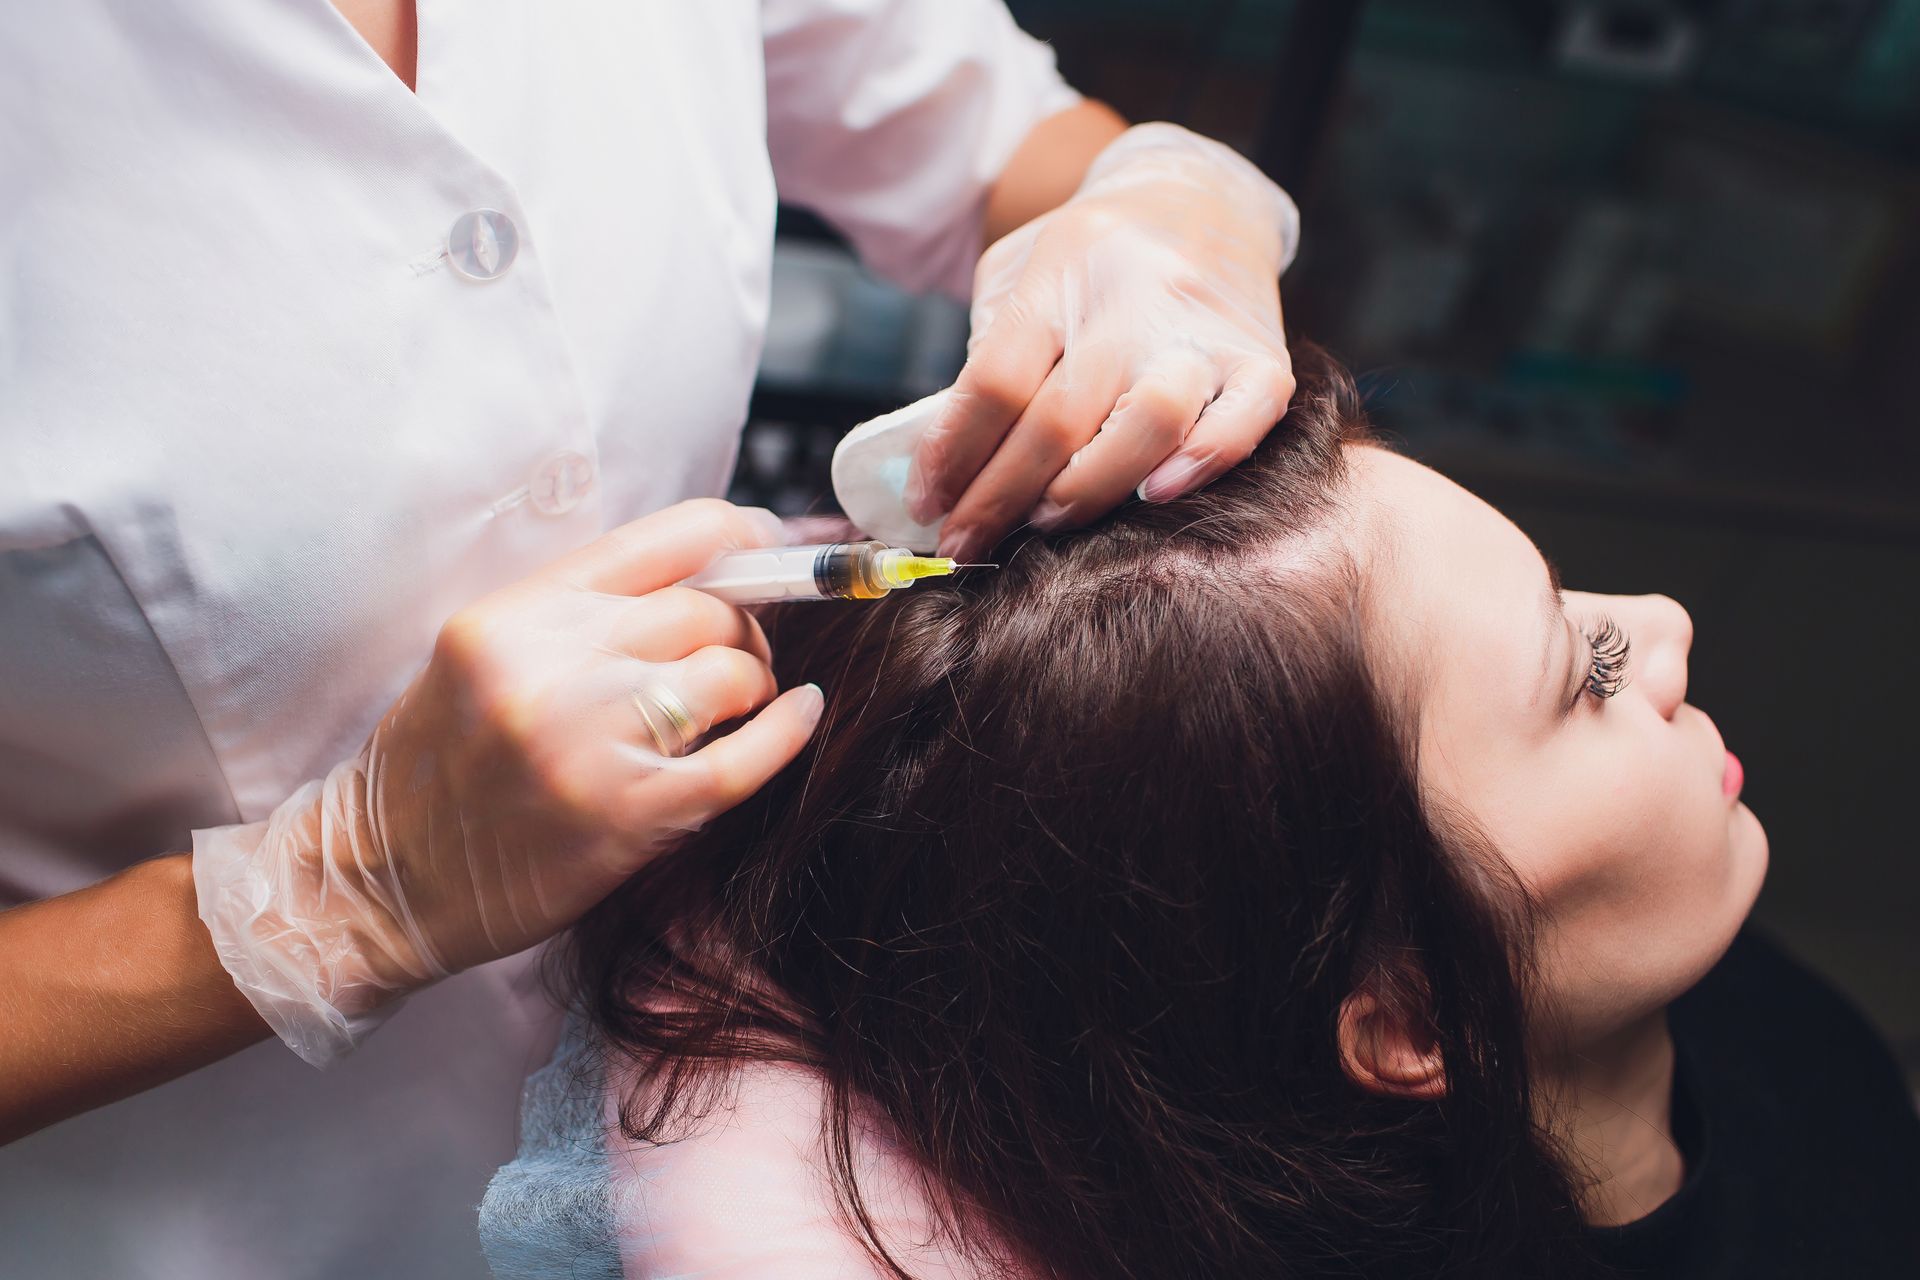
530, 768
1129, 339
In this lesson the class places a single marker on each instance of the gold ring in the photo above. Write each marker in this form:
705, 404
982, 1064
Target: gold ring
668, 721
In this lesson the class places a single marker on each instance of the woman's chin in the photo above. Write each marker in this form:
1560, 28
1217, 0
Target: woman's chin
1748, 852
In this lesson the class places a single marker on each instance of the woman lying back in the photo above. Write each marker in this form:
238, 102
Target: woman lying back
1288, 880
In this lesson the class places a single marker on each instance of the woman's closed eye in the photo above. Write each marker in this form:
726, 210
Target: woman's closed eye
1609, 647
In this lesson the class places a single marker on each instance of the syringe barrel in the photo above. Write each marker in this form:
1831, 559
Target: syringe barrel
823, 571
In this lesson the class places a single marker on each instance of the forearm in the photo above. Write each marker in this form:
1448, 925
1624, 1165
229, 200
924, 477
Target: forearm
109, 991
1048, 166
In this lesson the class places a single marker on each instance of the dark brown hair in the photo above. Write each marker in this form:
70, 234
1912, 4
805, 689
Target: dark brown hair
1084, 859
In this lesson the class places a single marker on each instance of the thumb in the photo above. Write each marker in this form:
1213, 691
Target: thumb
659, 550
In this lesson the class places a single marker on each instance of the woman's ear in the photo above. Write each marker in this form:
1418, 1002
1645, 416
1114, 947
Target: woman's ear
1385, 1051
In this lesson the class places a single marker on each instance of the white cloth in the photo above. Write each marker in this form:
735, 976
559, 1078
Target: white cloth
258, 439
744, 1192
870, 468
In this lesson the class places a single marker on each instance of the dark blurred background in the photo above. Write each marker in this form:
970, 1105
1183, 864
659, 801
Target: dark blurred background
1644, 275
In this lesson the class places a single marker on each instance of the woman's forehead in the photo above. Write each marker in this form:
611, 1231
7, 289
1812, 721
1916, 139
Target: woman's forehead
1459, 596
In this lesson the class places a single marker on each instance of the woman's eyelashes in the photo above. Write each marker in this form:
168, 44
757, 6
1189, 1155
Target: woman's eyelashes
1610, 647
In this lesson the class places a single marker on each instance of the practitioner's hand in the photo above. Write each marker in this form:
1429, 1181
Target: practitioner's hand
1129, 339
551, 746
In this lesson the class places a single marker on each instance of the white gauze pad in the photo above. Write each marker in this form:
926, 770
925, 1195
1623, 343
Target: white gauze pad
870, 475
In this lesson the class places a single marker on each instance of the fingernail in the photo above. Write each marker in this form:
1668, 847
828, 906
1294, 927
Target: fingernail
819, 701
771, 530
1047, 515
1173, 477
959, 544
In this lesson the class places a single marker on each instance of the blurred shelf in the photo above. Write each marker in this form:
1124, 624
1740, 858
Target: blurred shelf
1506, 480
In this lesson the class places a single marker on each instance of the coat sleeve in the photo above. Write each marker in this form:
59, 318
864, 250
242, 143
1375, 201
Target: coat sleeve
892, 119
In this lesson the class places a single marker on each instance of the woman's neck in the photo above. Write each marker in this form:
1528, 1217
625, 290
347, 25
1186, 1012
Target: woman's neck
1616, 1108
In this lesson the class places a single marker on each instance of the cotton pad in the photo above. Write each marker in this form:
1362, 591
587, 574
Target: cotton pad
870, 474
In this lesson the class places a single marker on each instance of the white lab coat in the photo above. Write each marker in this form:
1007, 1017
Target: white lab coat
258, 439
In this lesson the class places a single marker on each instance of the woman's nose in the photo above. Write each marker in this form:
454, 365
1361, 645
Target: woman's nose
1665, 629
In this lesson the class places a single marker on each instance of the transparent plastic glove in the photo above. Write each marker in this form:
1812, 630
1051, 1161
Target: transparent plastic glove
513, 785
1129, 340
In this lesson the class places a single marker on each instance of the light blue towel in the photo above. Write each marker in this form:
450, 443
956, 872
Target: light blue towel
548, 1214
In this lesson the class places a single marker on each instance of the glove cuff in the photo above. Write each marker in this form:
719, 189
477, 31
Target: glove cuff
1159, 148
267, 897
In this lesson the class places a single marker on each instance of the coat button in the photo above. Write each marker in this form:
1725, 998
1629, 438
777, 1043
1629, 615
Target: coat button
558, 484
483, 244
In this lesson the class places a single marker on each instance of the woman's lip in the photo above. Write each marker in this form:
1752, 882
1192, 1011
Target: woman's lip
1733, 778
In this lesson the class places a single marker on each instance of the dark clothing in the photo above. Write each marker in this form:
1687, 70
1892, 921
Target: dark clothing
1801, 1137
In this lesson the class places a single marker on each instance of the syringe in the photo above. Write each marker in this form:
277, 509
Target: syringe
826, 571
